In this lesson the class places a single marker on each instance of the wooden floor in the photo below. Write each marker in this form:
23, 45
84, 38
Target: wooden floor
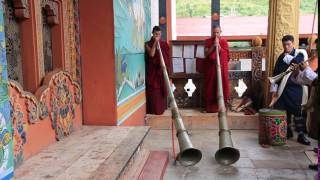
94, 152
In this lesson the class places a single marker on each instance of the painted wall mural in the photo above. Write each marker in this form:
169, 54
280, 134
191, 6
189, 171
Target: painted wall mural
132, 19
6, 144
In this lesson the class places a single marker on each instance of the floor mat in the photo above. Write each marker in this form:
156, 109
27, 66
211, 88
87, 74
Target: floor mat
312, 156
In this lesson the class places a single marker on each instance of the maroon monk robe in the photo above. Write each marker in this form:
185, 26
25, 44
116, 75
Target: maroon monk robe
155, 86
210, 73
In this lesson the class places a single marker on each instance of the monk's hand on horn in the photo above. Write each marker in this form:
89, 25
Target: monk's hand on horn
157, 38
217, 43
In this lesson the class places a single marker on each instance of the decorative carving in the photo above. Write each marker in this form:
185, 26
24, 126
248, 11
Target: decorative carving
31, 103
51, 11
21, 9
257, 42
236, 55
77, 39
286, 22
19, 130
77, 93
24, 110
38, 21
235, 75
13, 43
58, 98
43, 110
71, 64
257, 55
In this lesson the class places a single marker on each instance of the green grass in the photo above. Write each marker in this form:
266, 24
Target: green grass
201, 8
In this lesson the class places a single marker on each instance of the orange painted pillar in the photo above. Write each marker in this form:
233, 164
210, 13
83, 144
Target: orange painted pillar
98, 62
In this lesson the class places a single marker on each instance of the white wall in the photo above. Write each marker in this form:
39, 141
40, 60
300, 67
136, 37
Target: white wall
154, 13
173, 20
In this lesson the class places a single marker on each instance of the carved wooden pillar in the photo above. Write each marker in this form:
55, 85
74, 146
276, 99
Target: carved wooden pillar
257, 75
283, 20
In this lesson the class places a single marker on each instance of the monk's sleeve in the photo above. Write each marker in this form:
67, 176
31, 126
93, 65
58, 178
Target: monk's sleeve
225, 48
208, 44
152, 60
155, 59
213, 55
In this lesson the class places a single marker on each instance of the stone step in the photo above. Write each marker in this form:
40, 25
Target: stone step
194, 119
94, 152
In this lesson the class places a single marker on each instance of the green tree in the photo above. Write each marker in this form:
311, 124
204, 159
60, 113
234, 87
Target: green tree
200, 8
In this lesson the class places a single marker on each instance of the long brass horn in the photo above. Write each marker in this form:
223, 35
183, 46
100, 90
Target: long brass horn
226, 154
278, 77
188, 155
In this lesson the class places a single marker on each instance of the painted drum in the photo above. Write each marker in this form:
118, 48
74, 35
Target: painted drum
272, 127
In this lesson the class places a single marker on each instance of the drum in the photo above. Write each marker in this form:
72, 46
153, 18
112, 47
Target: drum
272, 127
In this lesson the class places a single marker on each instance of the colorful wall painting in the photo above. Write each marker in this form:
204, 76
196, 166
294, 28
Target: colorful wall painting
132, 19
6, 144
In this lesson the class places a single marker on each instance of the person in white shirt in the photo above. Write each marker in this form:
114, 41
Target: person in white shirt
304, 75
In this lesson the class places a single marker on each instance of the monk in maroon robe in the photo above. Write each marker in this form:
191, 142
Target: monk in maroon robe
155, 86
210, 70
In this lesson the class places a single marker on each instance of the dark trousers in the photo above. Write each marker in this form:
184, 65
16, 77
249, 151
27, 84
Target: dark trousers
299, 117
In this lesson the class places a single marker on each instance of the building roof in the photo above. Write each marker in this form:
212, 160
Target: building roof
237, 25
